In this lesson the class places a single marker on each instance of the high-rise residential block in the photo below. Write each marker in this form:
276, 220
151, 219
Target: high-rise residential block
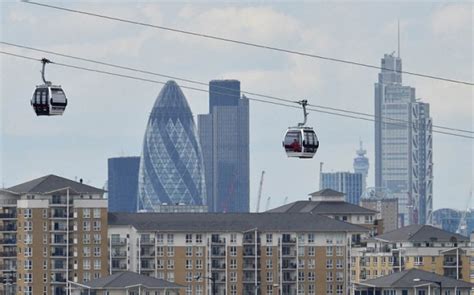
351, 184
387, 209
403, 144
122, 184
171, 168
224, 137
54, 230
241, 253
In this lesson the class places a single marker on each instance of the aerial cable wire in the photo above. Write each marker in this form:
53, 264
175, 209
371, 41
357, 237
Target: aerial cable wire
246, 43
207, 91
223, 87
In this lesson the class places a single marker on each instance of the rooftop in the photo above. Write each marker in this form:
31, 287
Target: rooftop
422, 233
405, 279
51, 183
128, 279
226, 222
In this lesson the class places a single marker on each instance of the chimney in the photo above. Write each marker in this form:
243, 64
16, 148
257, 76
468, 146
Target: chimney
80, 180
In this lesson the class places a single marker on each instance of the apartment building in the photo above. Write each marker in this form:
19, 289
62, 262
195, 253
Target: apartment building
235, 253
421, 247
54, 230
331, 203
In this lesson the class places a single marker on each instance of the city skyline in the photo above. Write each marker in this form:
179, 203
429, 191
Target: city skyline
427, 32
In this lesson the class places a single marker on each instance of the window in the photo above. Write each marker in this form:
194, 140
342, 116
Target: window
86, 251
311, 276
198, 264
29, 252
86, 238
97, 225
170, 251
29, 226
160, 251
339, 289
418, 260
269, 289
28, 238
329, 277
301, 251
310, 238
198, 238
301, 276
97, 238
311, 263
189, 264
233, 250
189, 238
189, 276
311, 290
339, 251
45, 226
86, 225
96, 251
198, 290
199, 251
329, 250
170, 239
269, 263
269, 276
339, 276
28, 264
86, 213
170, 276
86, 264
233, 289
28, 277
269, 238
311, 251
233, 238
97, 264
28, 290
329, 264
301, 239
189, 251
159, 238
27, 213
96, 212
269, 251
233, 263
170, 264
339, 263
86, 276
300, 263
160, 264
233, 276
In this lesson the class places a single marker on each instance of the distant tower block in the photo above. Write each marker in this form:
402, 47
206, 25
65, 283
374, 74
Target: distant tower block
361, 165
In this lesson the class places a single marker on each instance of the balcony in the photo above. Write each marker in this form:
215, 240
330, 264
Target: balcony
119, 254
8, 228
8, 241
218, 253
251, 241
289, 266
119, 242
218, 266
147, 241
119, 266
8, 215
8, 254
450, 263
218, 241
250, 266
7, 267
147, 254
289, 241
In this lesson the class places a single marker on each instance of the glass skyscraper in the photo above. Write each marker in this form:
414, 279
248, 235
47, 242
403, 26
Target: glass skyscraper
345, 182
403, 144
171, 167
224, 137
122, 184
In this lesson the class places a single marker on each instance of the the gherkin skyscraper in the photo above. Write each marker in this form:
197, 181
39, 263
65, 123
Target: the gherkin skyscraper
171, 167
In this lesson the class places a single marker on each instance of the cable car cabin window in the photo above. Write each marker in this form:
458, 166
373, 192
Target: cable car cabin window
58, 97
43, 96
310, 138
293, 141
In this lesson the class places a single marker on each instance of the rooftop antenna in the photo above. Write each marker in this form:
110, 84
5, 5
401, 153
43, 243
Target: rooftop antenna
398, 38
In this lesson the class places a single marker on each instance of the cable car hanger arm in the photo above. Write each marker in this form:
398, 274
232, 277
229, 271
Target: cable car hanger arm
303, 103
45, 61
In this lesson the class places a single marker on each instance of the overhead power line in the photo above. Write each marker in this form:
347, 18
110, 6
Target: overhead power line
223, 87
207, 91
246, 43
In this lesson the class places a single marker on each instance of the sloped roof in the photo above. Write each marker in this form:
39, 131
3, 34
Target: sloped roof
405, 279
127, 279
327, 192
421, 233
225, 222
324, 207
50, 183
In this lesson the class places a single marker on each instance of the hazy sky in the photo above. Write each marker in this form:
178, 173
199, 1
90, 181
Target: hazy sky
106, 116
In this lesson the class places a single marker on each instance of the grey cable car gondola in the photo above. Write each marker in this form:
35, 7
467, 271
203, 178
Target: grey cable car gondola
48, 99
301, 142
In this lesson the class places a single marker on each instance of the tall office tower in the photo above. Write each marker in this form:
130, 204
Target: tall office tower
123, 184
350, 184
54, 231
403, 145
171, 168
361, 165
224, 136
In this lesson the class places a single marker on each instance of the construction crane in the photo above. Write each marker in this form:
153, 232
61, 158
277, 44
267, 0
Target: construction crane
462, 227
285, 200
259, 197
267, 205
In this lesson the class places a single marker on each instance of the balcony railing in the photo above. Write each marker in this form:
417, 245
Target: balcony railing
121, 241
9, 241
7, 215
8, 254
11, 228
